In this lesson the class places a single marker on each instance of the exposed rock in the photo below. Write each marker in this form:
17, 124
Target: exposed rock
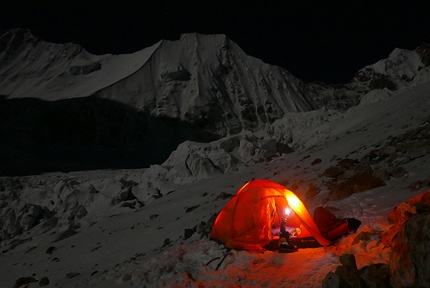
399, 215
189, 209
422, 198
381, 81
401, 212
44, 281
352, 176
180, 74
359, 183
86, 68
166, 242
50, 250
389, 150
224, 196
316, 161
210, 223
72, 275
376, 275
188, 233
331, 281
416, 185
421, 207
200, 228
24, 281
388, 236
294, 187
382, 174
347, 275
371, 156
424, 51
332, 172
346, 163
348, 261
364, 236
409, 263
398, 172
346, 175
126, 277
312, 191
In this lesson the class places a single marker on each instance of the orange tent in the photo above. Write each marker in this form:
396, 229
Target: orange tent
246, 221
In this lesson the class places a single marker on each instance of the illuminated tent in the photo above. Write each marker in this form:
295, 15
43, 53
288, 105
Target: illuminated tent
246, 221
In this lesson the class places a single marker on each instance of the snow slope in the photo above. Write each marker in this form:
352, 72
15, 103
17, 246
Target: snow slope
148, 227
119, 241
51, 71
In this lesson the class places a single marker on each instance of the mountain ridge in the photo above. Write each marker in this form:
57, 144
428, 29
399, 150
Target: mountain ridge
205, 84
243, 89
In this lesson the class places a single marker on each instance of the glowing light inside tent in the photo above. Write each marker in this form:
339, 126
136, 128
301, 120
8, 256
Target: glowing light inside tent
293, 201
287, 211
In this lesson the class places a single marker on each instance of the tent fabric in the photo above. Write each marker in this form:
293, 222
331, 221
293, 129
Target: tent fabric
246, 221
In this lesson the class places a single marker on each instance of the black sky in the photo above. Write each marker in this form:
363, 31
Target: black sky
315, 40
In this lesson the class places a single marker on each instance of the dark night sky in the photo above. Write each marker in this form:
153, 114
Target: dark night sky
315, 40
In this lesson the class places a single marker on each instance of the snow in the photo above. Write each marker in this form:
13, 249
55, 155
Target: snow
124, 245
184, 79
401, 69
121, 241
40, 68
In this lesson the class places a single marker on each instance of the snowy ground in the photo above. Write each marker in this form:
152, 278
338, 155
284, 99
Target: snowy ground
143, 246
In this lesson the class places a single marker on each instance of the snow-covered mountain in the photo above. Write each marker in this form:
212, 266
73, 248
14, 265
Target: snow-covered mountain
403, 68
218, 118
205, 80
107, 110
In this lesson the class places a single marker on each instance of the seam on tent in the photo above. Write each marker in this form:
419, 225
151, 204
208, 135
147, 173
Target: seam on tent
273, 196
232, 215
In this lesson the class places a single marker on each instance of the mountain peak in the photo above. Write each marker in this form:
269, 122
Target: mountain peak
21, 43
424, 51
12, 41
196, 34
402, 68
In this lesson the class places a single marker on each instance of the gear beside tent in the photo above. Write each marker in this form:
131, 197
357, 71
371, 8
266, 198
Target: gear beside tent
250, 219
